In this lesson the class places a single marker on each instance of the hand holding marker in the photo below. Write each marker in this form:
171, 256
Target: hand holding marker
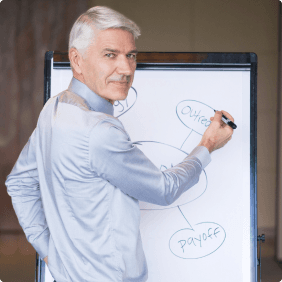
228, 121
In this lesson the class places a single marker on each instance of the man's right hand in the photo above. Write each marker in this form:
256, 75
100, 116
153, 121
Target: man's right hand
46, 260
218, 133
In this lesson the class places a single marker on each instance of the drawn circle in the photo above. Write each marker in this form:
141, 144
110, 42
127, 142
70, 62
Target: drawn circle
194, 115
202, 241
165, 156
121, 107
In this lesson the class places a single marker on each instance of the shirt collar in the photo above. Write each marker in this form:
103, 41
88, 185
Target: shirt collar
96, 102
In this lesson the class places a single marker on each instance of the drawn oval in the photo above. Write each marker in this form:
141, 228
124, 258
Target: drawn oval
195, 115
165, 156
202, 241
121, 107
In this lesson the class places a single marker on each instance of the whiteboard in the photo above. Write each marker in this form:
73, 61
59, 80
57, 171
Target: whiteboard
208, 234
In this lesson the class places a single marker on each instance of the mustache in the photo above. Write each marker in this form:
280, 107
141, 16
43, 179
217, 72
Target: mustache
121, 77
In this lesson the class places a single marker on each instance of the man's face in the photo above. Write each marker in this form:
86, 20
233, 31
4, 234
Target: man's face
109, 64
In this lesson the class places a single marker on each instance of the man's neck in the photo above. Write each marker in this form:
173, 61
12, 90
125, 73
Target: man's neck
81, 79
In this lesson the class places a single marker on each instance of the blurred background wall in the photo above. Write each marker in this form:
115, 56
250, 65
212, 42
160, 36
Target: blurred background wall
28, 28
31, 27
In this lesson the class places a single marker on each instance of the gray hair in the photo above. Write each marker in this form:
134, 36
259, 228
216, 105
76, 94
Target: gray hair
98, 18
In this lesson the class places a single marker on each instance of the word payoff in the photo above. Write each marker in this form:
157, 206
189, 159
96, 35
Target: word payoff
203, 240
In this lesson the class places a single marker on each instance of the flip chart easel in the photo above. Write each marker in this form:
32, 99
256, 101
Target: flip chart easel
210, 232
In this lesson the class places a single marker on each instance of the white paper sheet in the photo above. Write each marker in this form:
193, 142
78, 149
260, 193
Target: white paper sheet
205, 234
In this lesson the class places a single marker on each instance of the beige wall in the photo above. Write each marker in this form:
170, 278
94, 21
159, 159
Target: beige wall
221, 26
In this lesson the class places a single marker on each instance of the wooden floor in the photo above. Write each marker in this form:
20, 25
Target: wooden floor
17, 260
271, 271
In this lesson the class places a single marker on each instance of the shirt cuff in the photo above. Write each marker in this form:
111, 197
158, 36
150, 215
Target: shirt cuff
41, 243
203, 154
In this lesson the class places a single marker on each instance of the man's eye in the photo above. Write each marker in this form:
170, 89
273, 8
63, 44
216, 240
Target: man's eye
131, 56
110, 55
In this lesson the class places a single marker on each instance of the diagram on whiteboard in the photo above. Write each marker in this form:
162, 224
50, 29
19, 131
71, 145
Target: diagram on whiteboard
203, 238
166, 113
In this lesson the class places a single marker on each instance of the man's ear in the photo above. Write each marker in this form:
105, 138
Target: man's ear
75, 60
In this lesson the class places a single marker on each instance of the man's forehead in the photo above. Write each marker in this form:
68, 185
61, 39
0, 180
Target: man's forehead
115, 39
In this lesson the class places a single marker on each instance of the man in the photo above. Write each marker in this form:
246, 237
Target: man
76, 185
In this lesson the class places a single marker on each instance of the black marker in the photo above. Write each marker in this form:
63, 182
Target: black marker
228, 121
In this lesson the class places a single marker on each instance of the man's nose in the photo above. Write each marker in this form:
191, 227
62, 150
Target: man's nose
125, 66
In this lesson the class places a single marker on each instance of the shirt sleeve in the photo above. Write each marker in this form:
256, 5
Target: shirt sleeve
116, 159
23, 187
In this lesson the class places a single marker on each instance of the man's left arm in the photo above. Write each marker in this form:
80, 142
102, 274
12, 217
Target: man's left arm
23, 187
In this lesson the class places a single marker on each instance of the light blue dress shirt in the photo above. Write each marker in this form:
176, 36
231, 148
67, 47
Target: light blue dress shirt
76, 184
